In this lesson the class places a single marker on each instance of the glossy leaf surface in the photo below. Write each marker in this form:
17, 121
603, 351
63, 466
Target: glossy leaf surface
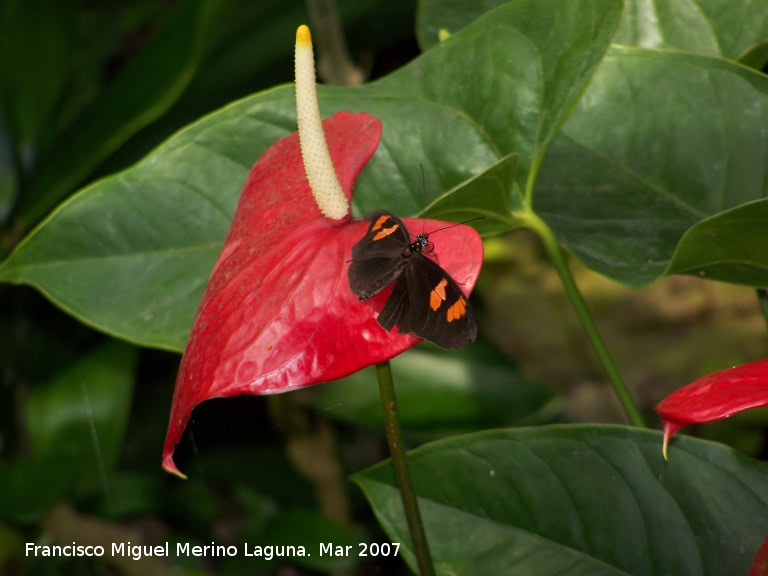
726, 28
579, 500
730, 246
660, 141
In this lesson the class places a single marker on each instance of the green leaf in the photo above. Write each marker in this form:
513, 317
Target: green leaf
144, 89
676, 24
82, 415
734, 29
730, 247
756, 56
660, 141
130, 255
736, 24
465, 391
486, 195
726, 28
579, 500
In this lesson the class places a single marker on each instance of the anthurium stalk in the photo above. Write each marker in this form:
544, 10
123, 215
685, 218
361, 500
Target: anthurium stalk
322, 178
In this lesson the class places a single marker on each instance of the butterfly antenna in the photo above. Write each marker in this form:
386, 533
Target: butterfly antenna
458, 224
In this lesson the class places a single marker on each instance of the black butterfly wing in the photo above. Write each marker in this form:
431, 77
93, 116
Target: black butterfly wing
377, 259
428, 303
396, 311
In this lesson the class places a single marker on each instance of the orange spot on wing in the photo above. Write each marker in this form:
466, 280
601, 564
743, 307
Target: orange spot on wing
437, 295
379, 222
457, 310
385, 231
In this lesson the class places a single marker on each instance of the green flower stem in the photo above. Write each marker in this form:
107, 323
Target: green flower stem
402, 473
533, 222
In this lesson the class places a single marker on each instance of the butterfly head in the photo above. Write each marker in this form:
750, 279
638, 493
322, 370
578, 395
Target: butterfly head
426, 245
421, 244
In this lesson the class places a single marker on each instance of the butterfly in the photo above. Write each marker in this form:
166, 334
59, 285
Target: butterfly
425, 301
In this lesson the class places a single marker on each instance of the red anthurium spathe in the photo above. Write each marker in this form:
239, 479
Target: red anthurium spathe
714, 397
278, 312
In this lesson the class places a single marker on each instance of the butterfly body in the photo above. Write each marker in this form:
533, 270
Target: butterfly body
425, 301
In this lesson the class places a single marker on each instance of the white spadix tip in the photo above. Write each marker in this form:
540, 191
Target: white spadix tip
321, 175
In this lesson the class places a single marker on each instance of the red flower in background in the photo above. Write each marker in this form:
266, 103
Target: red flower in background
278, 313
714, 397
760, 565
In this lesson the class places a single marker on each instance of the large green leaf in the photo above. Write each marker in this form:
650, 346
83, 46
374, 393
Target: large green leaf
131, 254
579, 500
660, 141
510, 104
738, 25
726, 28
679, 24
